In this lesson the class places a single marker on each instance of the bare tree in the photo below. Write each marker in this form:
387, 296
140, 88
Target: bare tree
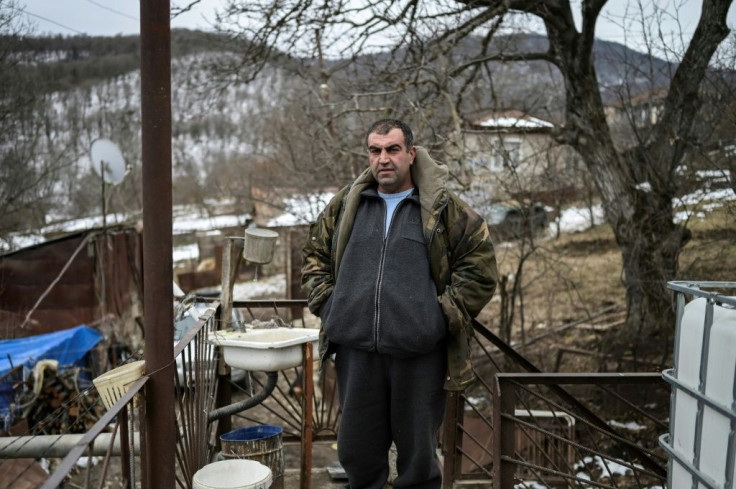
26, 181
418, 55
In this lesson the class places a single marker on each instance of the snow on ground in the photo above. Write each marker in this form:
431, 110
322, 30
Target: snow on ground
696, 205
263, 288
274, 285
18, 242
301, 209
576, 219
631, 425
192, 223
85, 223
699, 203
304, 209
606, 466
186, 252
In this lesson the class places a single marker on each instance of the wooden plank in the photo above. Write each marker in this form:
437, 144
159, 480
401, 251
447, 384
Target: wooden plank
21, 473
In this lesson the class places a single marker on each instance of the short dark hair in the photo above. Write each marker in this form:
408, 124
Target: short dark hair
384, 126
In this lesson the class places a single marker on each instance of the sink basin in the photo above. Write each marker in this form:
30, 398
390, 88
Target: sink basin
267, 350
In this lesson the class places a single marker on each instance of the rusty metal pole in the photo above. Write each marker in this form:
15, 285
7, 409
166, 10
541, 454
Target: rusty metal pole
160, 428
305, 478
504, 442
452, 436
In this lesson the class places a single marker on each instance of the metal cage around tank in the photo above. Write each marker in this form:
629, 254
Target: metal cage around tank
701, 443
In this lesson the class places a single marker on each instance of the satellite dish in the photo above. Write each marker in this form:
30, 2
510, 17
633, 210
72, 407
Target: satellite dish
107, 161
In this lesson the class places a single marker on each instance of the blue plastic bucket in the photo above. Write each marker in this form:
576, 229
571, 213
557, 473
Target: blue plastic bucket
261, 443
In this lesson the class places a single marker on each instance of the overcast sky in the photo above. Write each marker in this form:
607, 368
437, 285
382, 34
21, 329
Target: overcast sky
111, 17
107, 17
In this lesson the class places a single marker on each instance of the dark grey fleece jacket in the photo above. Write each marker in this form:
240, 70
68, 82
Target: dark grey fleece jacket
384, 298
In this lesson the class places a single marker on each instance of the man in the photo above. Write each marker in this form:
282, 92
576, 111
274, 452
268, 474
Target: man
396, 266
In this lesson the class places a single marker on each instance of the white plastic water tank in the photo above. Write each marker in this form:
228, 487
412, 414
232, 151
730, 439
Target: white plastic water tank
701, 441
719, 387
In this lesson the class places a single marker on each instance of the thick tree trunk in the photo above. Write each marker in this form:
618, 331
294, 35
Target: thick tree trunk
650, 246
636, 186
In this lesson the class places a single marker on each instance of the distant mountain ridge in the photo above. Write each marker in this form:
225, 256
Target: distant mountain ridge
72, 60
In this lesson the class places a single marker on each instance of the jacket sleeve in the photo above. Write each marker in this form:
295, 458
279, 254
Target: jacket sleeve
317, 277
473, 270
472, 280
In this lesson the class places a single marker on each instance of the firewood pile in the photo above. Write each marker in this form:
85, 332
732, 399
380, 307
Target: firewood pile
60, 402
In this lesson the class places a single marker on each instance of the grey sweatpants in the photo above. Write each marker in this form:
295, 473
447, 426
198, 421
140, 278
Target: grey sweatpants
387, 399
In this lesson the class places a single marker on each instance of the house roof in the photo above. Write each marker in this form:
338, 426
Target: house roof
40, 242
508, 120
648, 97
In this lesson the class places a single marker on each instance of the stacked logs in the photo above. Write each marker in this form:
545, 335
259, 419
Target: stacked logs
65, 402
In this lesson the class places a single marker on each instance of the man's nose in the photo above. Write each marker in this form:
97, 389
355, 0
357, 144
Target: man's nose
383, 157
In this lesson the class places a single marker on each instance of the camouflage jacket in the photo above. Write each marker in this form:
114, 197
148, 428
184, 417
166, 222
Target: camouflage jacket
461, 256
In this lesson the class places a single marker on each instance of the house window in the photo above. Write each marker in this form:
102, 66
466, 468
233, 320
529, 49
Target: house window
477, 163
506, 154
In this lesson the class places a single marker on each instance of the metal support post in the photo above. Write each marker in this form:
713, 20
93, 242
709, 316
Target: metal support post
451, 436
504, 401
160, 427
307, 415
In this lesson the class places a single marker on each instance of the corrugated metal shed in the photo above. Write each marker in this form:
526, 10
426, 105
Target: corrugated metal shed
76, 279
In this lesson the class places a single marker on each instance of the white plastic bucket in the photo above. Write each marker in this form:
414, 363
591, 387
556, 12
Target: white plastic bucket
259, 245
233, 474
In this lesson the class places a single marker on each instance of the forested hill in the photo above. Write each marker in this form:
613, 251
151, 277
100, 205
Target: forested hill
66, 62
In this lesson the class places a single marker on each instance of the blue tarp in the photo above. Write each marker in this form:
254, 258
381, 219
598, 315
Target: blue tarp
67, 346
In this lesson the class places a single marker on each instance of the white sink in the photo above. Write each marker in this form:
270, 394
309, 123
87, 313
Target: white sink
266, 350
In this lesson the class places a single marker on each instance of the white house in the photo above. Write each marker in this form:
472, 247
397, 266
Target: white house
512, 154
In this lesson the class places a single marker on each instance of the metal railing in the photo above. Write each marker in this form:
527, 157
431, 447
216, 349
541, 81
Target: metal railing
524, 429
539, 439
195, 382
122, 443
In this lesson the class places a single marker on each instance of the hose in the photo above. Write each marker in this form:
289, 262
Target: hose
247, 403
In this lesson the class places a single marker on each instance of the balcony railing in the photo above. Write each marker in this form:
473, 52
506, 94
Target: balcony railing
519, 427
515, 427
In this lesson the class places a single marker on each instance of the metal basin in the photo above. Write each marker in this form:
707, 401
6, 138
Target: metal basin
267, 350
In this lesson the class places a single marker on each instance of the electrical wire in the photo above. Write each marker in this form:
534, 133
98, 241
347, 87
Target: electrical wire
113, 10
50, 21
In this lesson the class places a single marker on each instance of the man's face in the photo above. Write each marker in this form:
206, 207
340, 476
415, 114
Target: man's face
390, 161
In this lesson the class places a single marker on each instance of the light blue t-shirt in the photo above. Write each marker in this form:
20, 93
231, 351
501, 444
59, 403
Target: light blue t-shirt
392, 200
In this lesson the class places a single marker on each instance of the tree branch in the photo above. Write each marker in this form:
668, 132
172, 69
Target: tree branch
683, 100
591, 10
503, 58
